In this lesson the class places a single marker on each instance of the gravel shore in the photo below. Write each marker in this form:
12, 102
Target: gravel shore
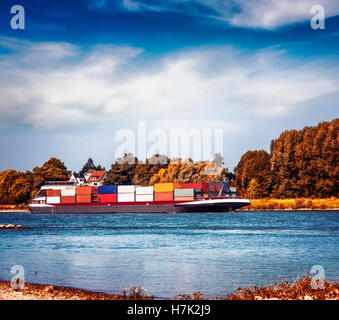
298, 290
43, 292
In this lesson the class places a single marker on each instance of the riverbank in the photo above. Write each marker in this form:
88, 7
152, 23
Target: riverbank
20, 208
43, 292
269, 204
297, 290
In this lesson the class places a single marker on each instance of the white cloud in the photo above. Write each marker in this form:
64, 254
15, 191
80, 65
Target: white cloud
106, 86
267, 14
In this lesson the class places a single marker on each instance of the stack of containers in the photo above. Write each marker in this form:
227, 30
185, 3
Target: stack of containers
68, 195
85, 194
200, 188
214, 188
183, 194
163, 191
53, 196
107, 194
126, 193
144, 194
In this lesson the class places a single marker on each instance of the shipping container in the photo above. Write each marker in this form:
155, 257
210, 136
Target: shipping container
84, 198
232, 189
68, 192
144, 190
201, 185
126, 197
107, 189
163, 196
184, 193
126, 189
144, 197
53, 193
215, 186
107, 198
184, 198
86, 190
51, 200
68, 199
163, 187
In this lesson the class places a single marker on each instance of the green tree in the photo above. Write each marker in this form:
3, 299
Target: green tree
90, 165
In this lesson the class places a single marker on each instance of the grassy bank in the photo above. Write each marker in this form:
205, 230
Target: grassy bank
293, 204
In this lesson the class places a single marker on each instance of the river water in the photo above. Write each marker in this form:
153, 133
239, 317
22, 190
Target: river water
169, 254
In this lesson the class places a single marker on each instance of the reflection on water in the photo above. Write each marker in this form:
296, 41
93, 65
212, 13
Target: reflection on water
170, 254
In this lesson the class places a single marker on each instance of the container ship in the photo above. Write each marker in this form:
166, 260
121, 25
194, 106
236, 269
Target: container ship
67, 198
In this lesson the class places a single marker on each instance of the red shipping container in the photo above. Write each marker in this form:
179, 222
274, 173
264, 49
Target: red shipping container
107, 198
86, 190
201, 185
163, 196
53, 193
68, 199
84, 198
215, 187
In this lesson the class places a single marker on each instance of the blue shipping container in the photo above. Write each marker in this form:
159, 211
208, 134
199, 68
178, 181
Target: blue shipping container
107, 189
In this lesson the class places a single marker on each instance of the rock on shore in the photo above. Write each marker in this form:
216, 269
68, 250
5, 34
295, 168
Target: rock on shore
12, 226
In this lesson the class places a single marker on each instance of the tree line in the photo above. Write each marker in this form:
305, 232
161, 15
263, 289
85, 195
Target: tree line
301, 163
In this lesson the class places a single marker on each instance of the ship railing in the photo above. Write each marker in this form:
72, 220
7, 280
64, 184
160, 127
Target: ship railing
60, 183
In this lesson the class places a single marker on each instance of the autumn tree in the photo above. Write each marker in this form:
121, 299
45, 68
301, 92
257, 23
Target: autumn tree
254, 165
305, 162
15, 187
52, 170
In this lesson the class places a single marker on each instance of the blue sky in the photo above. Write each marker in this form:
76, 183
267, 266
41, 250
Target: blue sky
82, 70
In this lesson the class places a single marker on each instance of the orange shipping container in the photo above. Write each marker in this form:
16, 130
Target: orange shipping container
84, 198
68, 199
163, 196
163, 187
184, 198
86, 190
53, 193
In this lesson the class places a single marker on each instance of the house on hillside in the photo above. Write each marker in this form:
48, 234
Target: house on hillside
77, 178
88, 173
96, 178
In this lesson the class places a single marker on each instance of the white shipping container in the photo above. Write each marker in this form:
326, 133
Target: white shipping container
126, 197
51, 200
144, 197
184, 192
144, 190
68, 192
126, 189
232, 189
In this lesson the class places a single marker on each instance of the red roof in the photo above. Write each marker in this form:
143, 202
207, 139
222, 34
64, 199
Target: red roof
96, 176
